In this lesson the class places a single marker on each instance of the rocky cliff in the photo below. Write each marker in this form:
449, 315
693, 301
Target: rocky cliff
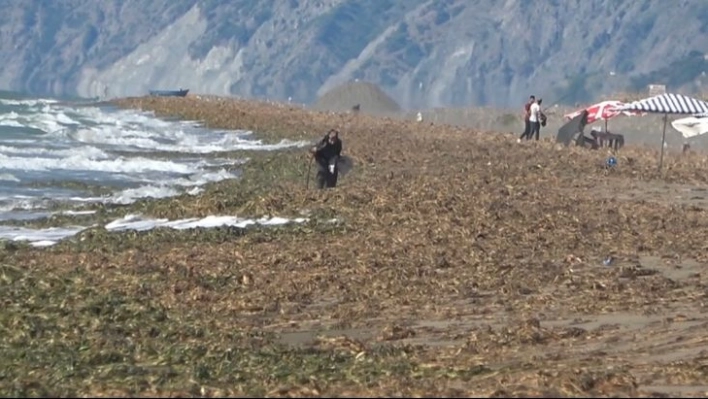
423, 53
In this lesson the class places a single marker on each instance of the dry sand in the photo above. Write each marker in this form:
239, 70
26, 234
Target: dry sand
374, 101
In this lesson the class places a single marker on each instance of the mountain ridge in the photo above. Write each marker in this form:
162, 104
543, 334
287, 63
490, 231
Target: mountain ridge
423, 53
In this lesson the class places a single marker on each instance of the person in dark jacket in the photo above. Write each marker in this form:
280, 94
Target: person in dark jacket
327, 153
527, 113
542, 119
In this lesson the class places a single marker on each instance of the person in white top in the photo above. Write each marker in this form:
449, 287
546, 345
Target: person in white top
535, 119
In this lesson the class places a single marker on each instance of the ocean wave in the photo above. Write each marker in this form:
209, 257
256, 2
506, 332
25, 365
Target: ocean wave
29, 103
142, 156
9, 177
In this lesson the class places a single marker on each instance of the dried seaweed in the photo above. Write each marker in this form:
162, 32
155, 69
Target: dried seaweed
463, 264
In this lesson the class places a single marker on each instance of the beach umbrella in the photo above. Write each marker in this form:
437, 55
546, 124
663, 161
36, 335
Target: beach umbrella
604, 110
667, 103
691, 126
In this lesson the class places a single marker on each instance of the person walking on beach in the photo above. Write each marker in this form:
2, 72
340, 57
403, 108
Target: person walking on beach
542, 119
526, 115
534, 120
327, 153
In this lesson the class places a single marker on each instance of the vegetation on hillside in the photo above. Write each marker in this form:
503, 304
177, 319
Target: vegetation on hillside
288, 49
233, 21
681, 72
350, 26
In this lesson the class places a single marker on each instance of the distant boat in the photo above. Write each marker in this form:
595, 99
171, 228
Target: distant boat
169, 93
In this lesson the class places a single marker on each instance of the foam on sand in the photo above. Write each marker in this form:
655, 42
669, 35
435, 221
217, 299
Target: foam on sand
137, 222
39, 237
50, 236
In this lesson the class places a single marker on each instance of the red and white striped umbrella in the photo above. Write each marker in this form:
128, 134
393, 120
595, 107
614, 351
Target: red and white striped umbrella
602, 111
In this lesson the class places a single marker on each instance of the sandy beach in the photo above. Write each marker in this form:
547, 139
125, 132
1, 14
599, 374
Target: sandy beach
449, 261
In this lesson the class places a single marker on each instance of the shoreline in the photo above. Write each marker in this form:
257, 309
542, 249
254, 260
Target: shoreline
457, 257
282, 122
643, 132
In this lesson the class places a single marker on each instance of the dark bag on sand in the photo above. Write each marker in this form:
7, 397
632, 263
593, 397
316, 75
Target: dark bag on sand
543, 119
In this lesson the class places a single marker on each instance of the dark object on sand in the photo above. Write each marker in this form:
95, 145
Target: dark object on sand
611, 162
356, 109
327, 153
571, 129
574, 131
345, 165
585, 141
614, 141
169, 93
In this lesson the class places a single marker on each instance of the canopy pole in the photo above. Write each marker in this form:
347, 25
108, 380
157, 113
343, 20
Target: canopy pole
605, 125
663, 141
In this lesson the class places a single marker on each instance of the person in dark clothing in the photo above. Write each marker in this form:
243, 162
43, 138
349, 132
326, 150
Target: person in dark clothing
527, 114
327, 153
534, 120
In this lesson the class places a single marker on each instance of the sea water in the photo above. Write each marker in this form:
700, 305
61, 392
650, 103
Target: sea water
59, 152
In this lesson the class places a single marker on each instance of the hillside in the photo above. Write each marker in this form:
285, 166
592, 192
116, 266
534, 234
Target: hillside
423, 53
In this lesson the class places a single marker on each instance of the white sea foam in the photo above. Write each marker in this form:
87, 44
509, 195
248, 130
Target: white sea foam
27, 215
130, 195
12, 115
18, 202
8, 177
51, 236
114, 147
158, 190
31, 103
195, 191
87, 152
20, 207
39, 237
139, 223
76, 213
79, 162
202, 178
10, 123
178, 141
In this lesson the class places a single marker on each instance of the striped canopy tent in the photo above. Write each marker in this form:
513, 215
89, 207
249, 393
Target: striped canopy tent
668, 103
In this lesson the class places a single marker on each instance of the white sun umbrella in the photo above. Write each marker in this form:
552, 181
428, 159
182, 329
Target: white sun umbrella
668, 103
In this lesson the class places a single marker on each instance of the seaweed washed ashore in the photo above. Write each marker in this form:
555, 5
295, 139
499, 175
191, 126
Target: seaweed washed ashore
465, 264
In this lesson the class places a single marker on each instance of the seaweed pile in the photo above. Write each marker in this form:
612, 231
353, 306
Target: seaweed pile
462, 263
